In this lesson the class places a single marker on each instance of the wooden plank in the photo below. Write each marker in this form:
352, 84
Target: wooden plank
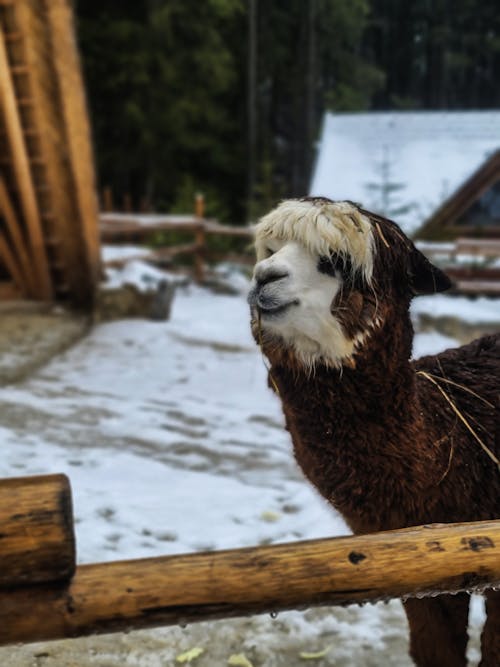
55, 188
199, 255
11, 264
23, 176
478, 287
150, 221
107, 199
485, 247
199, 205
17, 240
228, 230
79, 142
193, 587
469, 272
37, 542
9, 291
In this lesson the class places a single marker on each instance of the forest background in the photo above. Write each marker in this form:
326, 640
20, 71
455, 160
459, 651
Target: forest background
226, 97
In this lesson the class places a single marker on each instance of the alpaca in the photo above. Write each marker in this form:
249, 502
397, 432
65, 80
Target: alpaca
378, 435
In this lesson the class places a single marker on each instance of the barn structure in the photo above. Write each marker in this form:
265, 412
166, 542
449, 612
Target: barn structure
437, 172
472, 210
49, 241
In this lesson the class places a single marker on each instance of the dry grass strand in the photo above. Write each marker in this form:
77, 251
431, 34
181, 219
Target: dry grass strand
459, 414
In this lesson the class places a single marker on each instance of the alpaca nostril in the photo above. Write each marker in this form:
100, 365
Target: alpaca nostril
269, 277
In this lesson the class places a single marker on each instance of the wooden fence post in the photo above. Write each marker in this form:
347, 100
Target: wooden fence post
199, 205
200, 240
37, 543
107, 199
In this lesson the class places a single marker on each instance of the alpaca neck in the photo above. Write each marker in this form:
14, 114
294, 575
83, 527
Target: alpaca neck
354, 431
381, 382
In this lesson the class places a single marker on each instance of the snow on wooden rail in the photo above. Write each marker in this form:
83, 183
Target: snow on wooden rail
120, 227
124, 595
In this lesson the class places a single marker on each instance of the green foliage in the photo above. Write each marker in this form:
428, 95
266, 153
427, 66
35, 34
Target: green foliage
435, 54
161, 85
216, 205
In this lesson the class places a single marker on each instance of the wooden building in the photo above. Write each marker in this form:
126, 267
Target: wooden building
49, 241
473, 210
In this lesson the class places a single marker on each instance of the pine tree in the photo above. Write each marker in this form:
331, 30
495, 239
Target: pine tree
162, 87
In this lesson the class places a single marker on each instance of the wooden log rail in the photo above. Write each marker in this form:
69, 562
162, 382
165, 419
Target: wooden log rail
129, 227
37, 543
179, 589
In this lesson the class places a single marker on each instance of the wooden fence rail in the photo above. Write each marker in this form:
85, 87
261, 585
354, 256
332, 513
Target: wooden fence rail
178, 589
120, 228
116, 228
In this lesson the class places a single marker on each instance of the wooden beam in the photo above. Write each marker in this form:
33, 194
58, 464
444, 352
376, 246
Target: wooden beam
487, 247
78, 134
37, 542
107, 199
55, 185
17, 239
11, 264
23, 176
229, 230
199, 205
180, 589
199, 255
9, 291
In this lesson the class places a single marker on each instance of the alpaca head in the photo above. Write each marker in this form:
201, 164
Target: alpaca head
328, 275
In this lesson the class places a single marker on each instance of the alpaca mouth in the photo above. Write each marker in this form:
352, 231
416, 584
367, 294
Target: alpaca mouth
273, 310
268, 305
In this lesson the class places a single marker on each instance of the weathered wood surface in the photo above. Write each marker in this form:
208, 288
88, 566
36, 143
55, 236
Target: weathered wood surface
194, 587
73, 106
21, 169
18, 242
11, 262
9, 291
37, 543
114, 225
49, 171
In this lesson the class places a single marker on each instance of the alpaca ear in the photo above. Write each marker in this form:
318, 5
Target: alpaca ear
424, 277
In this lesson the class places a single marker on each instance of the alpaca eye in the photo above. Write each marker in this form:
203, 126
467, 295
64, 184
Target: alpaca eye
270, 252
328, 266
337, 265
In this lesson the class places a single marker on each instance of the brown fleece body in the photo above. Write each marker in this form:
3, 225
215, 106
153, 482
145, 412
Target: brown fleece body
381, 443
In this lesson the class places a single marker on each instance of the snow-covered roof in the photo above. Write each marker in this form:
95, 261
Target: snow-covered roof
402, 164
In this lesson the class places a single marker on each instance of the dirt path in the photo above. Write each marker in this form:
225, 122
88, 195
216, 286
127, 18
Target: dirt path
31, 334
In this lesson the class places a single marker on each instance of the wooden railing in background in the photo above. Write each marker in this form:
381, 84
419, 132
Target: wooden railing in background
475, 276
139, 228
117, 228
41, 598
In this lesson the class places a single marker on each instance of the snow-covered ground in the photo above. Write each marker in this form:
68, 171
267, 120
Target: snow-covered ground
174, 443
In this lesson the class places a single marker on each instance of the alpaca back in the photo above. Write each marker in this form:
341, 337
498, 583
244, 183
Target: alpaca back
460, 392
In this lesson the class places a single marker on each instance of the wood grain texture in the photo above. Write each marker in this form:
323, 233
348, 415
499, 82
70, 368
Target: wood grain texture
37, 543
17, 240
22, 172
194, 587
67, 69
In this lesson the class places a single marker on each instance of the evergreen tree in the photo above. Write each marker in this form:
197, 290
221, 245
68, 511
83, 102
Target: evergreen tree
163, 87
309, 60
437, 54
